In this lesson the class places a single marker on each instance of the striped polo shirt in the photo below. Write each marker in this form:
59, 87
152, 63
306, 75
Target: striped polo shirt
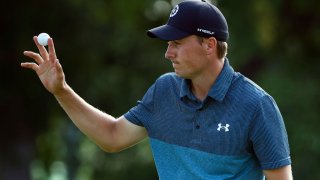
235, 133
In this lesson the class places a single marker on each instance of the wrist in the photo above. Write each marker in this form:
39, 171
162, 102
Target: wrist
65, 90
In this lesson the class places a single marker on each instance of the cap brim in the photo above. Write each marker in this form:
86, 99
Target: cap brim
167, 32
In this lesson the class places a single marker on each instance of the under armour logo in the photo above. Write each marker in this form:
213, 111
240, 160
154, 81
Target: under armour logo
226, 127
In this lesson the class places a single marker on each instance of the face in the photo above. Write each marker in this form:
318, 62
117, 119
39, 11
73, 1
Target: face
188, 56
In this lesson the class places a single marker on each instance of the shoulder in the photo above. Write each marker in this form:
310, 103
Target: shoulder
248, 89
247, 94
254, 97
170, 76
168, 80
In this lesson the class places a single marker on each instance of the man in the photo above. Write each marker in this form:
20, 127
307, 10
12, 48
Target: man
205, 121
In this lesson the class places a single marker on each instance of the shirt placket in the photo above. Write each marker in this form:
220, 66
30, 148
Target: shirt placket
198, 126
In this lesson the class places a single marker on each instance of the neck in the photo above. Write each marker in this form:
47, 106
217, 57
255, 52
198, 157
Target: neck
201, 85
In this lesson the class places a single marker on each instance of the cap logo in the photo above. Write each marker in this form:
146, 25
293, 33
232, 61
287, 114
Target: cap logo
174, 11
205, 31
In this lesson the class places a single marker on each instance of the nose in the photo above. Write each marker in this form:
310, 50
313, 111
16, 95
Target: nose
170, 53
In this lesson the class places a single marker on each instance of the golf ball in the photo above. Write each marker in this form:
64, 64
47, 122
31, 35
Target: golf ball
43, 39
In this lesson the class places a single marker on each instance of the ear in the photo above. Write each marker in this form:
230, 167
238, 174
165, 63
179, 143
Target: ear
211, 45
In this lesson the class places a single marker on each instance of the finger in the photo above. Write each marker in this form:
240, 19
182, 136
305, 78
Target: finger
30, 65
59, 67
52, 52
34, 56
42, 49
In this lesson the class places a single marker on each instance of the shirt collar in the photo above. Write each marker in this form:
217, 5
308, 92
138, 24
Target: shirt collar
185, 89
219, 88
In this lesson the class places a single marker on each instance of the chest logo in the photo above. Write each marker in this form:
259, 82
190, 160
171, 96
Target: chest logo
225, 128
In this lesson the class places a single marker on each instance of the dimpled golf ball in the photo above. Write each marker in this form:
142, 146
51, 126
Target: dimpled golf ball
43, 39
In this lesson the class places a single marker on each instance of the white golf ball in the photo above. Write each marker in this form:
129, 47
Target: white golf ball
43, 39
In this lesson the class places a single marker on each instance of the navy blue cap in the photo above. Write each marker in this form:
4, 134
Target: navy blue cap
193, 17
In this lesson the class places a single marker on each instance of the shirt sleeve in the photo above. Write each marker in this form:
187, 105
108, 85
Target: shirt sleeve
143, 111
269, 136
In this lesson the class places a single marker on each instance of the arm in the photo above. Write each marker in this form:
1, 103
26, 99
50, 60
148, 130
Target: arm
109, 133
283, 173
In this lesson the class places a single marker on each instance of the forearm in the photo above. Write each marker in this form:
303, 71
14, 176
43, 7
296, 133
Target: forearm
94, 123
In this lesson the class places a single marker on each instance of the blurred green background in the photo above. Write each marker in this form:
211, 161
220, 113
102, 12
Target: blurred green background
110, 62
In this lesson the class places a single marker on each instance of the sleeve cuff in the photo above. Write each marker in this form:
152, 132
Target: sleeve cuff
277, 164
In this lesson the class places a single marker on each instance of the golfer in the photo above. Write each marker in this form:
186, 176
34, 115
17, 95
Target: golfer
204, 120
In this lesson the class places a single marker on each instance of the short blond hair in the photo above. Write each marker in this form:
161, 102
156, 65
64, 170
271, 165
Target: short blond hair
222, 47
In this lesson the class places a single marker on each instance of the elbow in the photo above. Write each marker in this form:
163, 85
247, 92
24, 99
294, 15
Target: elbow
109, 142
110, 149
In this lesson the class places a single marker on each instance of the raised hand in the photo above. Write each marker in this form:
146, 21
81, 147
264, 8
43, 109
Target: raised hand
47, 67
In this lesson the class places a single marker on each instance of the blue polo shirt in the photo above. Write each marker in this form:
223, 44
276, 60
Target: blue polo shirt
235, 133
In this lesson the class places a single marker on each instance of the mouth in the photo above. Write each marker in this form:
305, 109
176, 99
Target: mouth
174, 64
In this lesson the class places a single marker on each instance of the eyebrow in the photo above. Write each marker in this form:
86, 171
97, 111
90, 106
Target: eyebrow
177, 41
